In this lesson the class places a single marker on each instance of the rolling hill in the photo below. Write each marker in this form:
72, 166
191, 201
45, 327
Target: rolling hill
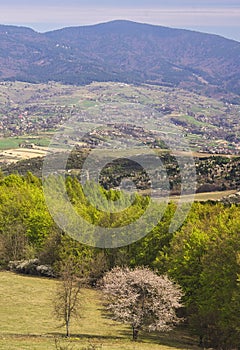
122, 51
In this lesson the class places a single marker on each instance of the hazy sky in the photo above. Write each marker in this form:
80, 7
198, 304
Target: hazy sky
220, 17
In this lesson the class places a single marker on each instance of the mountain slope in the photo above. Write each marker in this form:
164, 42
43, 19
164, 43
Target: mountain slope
121, 51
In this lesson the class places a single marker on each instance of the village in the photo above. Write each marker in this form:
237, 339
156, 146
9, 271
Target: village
209, 126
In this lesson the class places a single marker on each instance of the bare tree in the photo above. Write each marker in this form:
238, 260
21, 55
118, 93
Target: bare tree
67, 298
142, 299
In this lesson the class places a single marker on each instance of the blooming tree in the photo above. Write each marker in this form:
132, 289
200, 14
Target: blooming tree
142, 299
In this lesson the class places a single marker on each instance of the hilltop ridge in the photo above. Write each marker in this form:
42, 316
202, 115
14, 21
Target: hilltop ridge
122, 51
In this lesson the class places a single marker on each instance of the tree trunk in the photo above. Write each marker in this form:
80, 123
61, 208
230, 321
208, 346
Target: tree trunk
135, 333
67, 329
201, 341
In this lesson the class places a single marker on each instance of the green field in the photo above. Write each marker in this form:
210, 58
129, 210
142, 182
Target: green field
14, 142
27, 322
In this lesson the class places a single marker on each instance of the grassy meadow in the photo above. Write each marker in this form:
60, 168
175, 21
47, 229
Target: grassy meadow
27, 321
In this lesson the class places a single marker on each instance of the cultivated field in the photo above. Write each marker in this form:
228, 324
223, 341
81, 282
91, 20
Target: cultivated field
27, 322
204, 197
14, 155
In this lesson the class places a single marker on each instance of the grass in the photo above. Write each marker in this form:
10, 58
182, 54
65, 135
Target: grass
27, 322
13, 142
10, 142
192, 121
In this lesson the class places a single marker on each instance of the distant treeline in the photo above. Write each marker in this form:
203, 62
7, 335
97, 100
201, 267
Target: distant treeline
216, 173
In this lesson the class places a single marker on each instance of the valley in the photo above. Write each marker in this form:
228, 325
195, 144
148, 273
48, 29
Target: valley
209, 125
33, 123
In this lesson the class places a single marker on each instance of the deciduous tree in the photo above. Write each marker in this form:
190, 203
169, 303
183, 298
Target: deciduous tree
142, 299
67, 298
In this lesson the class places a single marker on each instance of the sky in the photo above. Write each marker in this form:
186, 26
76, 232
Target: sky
220, 17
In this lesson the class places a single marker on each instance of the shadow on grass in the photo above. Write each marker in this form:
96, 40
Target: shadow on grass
177, 338
59, 335
84, 336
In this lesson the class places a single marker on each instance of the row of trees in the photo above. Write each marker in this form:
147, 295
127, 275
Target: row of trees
203, 256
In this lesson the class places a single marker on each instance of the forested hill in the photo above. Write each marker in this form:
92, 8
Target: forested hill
121, 51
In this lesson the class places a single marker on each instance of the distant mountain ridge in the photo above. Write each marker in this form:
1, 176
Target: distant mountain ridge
121, 51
